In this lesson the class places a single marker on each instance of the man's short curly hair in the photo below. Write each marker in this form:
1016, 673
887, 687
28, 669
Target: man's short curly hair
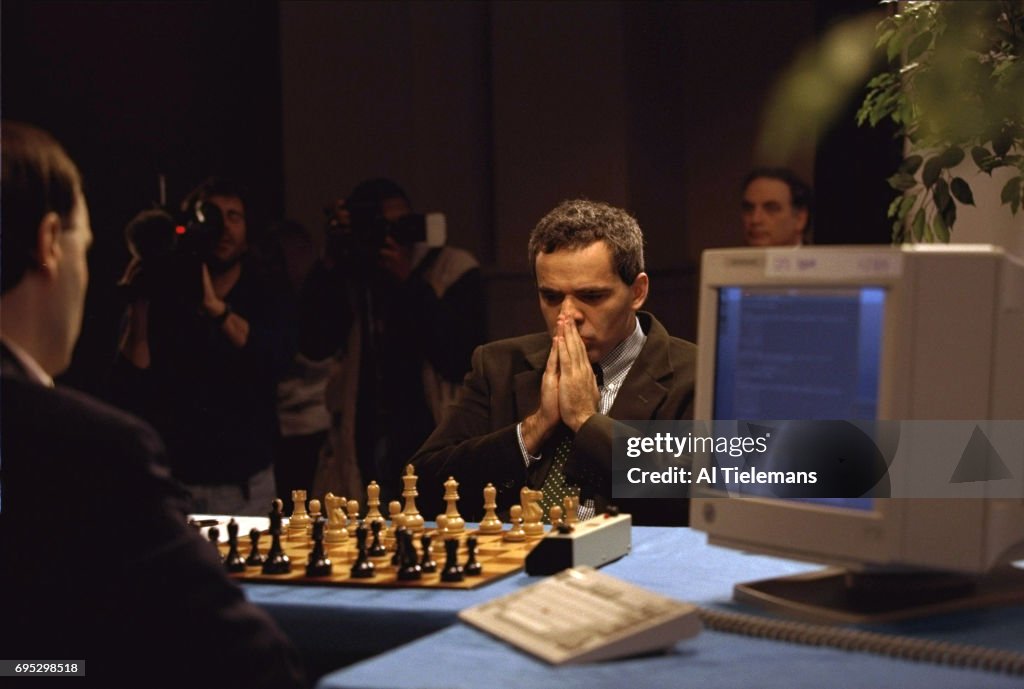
578, 223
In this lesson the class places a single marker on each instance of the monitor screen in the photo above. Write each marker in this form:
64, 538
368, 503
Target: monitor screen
798, 353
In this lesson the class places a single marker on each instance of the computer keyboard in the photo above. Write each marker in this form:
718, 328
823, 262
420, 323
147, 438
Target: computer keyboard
582, 615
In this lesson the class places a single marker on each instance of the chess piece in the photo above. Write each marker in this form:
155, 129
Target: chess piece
362, 568
213, 533
396, 559
376, 548
413, 518
456, 525
336, 521
441, 534
472, 568
410, 569
572, 509
373, 504
533, 515
353, 516
491, 523
314, 514
299, 519
234, 562
277, 561
452, 569
255, 558
555, 516
394, 510
516, 534
319, 564
427, 562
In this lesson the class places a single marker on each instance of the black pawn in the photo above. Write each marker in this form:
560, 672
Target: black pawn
362, 568
396, 559
452, 569
376, 548
233, 562
427, 563
255, 558
410, 569
319, 564
214, 535
472, 568
277, 561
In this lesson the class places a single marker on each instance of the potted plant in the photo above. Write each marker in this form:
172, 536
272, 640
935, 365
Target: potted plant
954, 89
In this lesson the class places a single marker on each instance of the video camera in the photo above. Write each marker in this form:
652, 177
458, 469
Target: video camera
169, 250
357, 244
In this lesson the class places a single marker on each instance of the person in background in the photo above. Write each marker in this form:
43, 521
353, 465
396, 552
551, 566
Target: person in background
776, 208
205, 343
416, 313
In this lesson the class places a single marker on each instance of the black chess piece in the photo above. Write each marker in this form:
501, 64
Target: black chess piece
362, 568
319, 564
427, 563
396, 559
277, 561
472, 568
452, 569
234, 561
256, 558
214, 535
376, 548
410, 569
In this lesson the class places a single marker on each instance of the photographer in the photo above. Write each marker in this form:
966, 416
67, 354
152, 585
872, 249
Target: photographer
415, 312
205, 340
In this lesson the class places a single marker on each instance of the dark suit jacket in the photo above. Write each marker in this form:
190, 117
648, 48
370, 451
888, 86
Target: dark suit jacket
97, 562
477, 443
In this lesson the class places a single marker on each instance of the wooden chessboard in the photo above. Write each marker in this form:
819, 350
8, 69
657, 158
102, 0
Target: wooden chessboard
498, 558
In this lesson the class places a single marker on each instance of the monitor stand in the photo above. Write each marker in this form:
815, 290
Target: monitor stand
837, 596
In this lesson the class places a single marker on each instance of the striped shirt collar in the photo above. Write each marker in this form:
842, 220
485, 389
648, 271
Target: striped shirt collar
618, 361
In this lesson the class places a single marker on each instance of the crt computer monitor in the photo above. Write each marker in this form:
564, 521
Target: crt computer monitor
883, 333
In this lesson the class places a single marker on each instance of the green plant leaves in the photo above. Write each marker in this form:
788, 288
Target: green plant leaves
917, 227
940, 194
952, 156
956, 95
940, 228
961, 191
911, 164
932, 168
1011, 193
901, 181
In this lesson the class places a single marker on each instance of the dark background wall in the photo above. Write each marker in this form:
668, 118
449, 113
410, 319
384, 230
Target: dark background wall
491, 112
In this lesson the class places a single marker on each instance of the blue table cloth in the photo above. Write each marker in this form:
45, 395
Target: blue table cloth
676, 562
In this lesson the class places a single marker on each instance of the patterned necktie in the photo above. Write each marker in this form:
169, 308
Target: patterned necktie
555, 487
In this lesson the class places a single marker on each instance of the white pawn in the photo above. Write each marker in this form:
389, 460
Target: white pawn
441, 535
516, 534
394, 511
353, 517
373, 504
555, 516
314, 514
